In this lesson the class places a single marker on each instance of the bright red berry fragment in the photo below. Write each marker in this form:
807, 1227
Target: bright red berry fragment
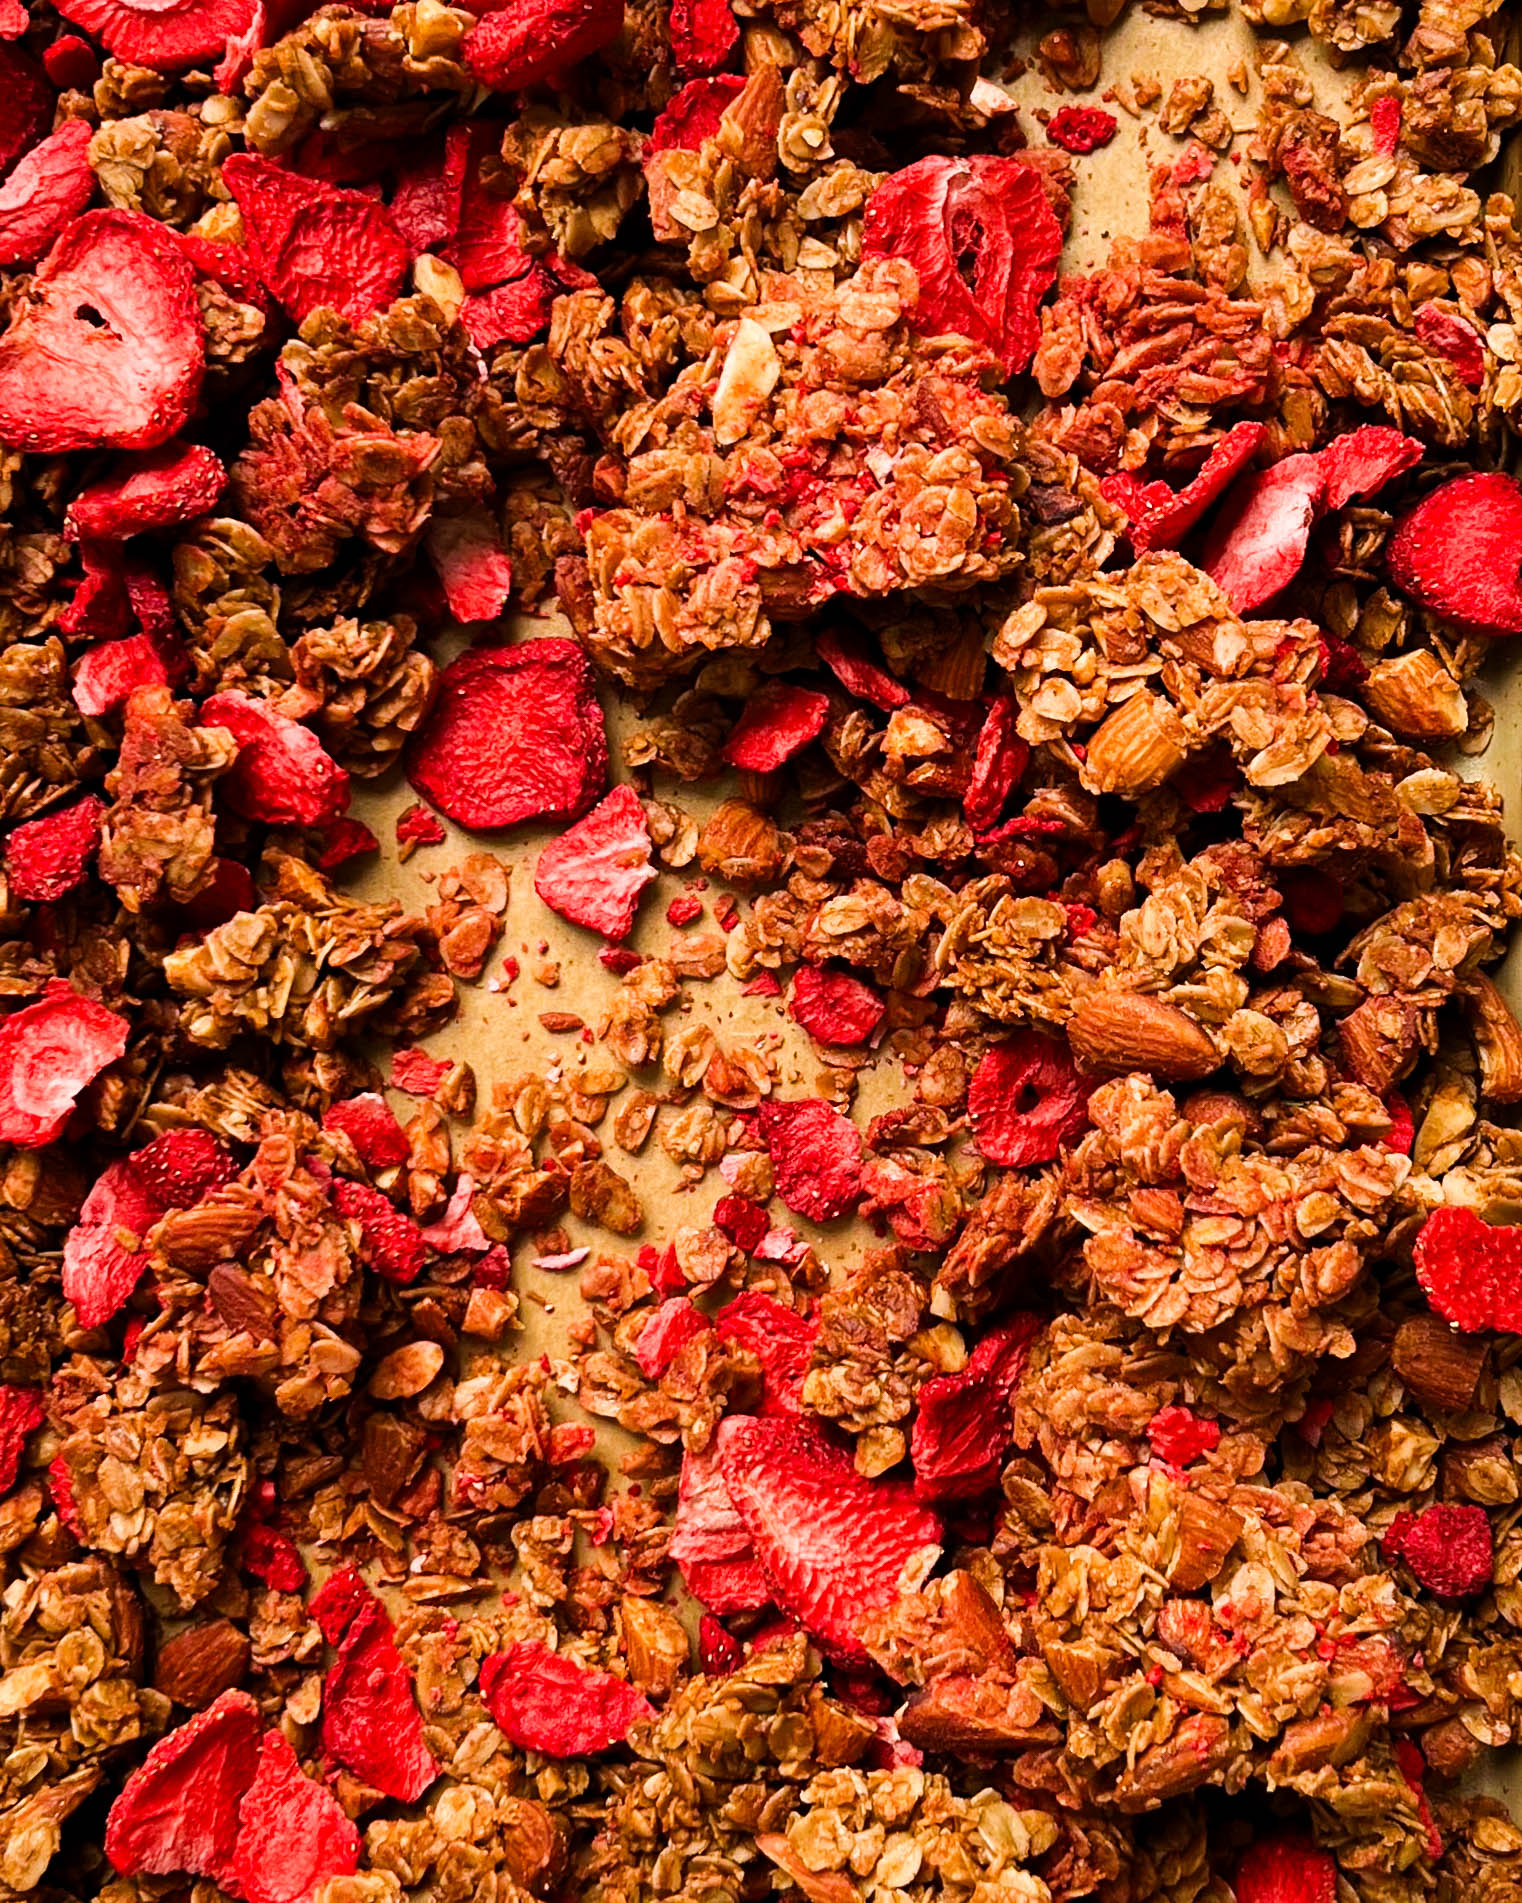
50, 1052
1470, 1270
778, 722
1286, 1870
47, 857
21, 1413
703, 35
370, 1721
166, 35
338, 1602
1081, 128
520, 45
710, 1542
179, 1809
816, 1156
370, 1124
542, 1702
780, 1338
1178, 1435
153, 490
846, 656
416, 1073
998, 765
1449, 1548
467, 554
1026, 1100
962, 1422
273, 1556
594, 873
1459, 553
391, 1243
1258, 540
45, 193
1454, 339
666, 1333
292, 1832
107, 676
694, 114
1160, 517
283, 774
316, 244
834, 1007
1359, 463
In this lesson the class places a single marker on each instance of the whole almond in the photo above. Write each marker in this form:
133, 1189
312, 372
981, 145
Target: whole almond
1135, 748
406, 1371
1440, 1366
1114, 1030
1414, 694
199, 1664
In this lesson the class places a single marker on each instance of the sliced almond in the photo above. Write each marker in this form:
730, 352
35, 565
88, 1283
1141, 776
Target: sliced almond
1114, 1030
406, 1371
750, 373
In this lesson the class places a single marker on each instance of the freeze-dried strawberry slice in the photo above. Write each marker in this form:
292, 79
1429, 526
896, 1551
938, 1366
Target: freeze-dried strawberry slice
816, 1156
283, 774
1081, 128
101, 1266
469, 559
339, 1601
703, 35
984, 244
515, 313
520, 45
962, 1422
1459, 553
21, 1414
152, 491
391, 1243
179, 1809
594, 873
168, 35
1178, 1435
666, 1333
778, 722
709, 1541
316, 244
1026, 1100
71, 63
998, 765
1160, 517
1471, 1271
47, 857
486, 245
740, 1221
417, 1073
49, 1052
46, 192
542, 1702
1285, 1870
425, 207
370, 1721
292, 1833
370, 1124
1257, 542
107, 350
274, 1557
27, 111
780, 1338
1449, 1548
1359, 464
107, 675
831, 1544
1455, 340
845, 655
693, 115
834, 1007
516, 733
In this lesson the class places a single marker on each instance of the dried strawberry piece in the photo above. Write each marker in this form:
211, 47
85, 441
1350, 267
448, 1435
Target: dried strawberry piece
1459, 553
425, 207
1385, 117
709, 1541
512, 313
418, 827
317, 245
391, 1243
835, 1008
21, 1414
719, 1651
1449, 1548
1312, 900
338, 1602
238, 54
152, 491
174, 1171
831, 1544
1081, 128
486, 245
1359, 464
179, 1809
666, 1333
370, 1721
49, 1052
740, 1221
845, 655
1160, 517
542, 1702
45, 193
1470, 1270
370, 1124
693, 115
1402, 1132
343, 839
703, 35
962, 1422
417, 1073
780, 1338
283, 774
164, 36
516, 733
108, 349
28, 109
47, 857
292, 1833
1258, 540
1451, 338
816, 1156
1026, 1100
778, 722
107, 676
998, 765
1178, 1435
469, 559
71, 64
1286, 1870
272, 1556
228, 265
594, 873
14, 19
984, 244
521, 45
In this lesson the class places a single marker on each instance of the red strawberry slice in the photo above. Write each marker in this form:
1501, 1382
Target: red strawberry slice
594, 873
1160, 517
778, 722
1286, 1870
45, 193
693, 114
1459, 553
1360, 463
316, 244
831, 1545
1026, 1100
370, 1721
1258, 540
370, 1124
781, 1339
106, 676
518, 46
21, 1413
156, 490
47, 857
710, 1542
962, 1422
292, 1833
835, 1008
167, 35
542, 1702
467, 553
283, 774
49, 1053
107, 351
816, 1156
179, 1810
1470, 1270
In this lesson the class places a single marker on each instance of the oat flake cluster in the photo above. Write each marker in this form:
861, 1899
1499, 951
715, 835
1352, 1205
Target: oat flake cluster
1059, 1438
